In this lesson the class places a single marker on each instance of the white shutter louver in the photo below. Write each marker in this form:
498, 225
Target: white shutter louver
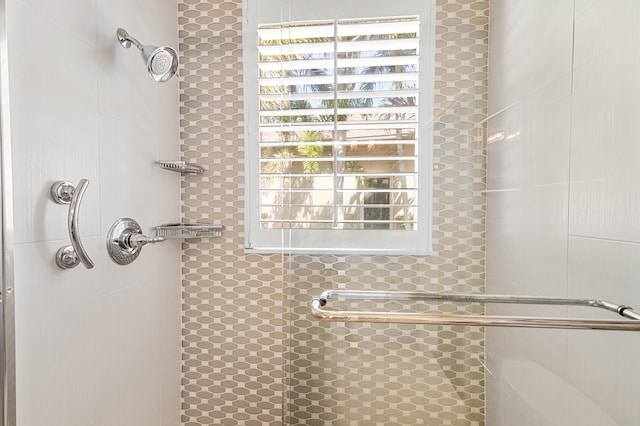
338, 124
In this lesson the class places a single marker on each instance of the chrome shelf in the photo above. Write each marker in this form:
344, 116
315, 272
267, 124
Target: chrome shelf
181, 167
189, 230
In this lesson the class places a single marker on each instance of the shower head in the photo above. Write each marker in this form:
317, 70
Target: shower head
162, 62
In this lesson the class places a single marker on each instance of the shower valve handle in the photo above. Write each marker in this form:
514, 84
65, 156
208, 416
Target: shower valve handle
134, 239
125, 241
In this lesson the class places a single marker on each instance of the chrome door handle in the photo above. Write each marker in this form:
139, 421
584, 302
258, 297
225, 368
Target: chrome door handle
64, 192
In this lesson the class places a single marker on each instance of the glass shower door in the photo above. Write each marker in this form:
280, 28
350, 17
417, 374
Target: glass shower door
372, 374
343, 373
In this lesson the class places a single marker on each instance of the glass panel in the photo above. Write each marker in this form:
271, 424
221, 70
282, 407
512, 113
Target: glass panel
389, 374
376, 374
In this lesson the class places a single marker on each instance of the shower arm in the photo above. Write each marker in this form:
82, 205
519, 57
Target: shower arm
320, 310
126, 40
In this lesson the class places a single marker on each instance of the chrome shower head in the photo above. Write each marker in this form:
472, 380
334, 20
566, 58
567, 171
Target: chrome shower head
162, 62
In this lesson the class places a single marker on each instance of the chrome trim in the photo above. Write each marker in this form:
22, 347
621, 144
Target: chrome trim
64, 192
126, 40
125, 241
189, 230
320, 310
182, 167
7, 307
72, 222
67, 258
155, 57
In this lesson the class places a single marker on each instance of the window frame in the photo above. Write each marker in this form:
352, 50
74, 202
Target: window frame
334, 241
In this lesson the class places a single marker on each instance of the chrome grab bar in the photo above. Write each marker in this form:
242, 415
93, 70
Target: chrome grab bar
64, 192
320, 310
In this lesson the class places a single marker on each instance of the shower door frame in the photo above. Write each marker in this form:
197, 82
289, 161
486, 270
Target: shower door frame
7, 318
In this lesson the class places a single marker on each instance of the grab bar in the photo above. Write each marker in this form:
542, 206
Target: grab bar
320, 310
64, 192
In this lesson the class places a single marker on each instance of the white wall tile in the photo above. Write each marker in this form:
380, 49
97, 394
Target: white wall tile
605, 179
528, 147
527, 208
135, 389
535, 395
99, 346
54, 124
582, 6
75, 18
58, 344
604, 363
536, 52
527, 200
578, 234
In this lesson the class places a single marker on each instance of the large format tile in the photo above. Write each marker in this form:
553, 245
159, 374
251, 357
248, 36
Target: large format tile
527, 194
529, 135
605, 179
54, 125
99, 346
604, 363
75, 18
531, 44
59, 345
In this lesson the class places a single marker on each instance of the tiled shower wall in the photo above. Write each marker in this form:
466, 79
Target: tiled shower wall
251, 353
92, 346
564, 211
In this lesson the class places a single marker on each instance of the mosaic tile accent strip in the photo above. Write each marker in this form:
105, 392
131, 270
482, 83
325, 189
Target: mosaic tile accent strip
251, 353
233, 312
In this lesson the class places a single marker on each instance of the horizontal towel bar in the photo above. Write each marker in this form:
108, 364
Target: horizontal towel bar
320, 310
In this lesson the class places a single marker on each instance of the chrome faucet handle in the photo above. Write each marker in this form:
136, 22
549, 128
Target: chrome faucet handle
125, 241
139, 240
64, 192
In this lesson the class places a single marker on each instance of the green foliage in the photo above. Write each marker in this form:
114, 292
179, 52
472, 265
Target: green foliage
310, 166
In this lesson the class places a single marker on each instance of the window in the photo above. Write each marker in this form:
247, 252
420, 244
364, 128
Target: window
338, 135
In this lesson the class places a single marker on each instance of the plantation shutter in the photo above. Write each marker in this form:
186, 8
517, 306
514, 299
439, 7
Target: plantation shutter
339, 140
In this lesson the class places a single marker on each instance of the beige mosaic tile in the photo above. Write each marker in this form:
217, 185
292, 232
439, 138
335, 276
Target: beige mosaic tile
251, 353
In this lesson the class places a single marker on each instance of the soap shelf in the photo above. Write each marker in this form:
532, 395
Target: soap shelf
189, 230
181, 167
